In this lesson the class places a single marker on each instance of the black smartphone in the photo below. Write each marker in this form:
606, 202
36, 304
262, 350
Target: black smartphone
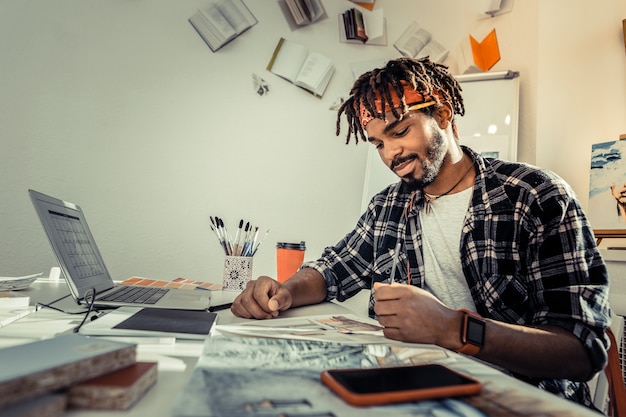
373, 386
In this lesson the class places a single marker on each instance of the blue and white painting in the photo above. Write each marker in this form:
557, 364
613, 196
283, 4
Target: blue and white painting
607, 188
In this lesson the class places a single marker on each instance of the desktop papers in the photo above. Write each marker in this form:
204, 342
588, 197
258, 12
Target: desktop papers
9, 315
17, 283
253, 376
263, 377
340, 328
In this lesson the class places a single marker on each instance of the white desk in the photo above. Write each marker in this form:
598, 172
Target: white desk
177, 361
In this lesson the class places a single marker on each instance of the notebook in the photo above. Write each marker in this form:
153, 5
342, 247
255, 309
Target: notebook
155, 322
83, 266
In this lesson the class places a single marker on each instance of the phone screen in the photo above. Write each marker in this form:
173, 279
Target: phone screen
397, 384
371, 380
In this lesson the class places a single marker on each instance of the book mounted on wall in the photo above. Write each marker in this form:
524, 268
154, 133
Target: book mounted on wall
302, 12
222, 21
417, 42
363, 27
309, 70
474, 56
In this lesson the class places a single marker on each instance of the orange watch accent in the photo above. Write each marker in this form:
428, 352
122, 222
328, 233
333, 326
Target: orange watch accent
472, 332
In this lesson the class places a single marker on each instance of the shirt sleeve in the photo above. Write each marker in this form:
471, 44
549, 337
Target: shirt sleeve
365, 254
567, 270
346, 265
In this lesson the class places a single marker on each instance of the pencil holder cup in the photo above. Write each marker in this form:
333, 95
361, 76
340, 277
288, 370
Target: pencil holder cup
289, 257
237, 272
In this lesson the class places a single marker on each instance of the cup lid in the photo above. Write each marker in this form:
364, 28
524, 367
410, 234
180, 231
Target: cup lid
287, 245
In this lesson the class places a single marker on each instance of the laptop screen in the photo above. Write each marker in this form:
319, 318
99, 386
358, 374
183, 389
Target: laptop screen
73, 244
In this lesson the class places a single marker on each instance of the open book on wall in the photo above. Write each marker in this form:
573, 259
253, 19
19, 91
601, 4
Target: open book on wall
302, 12
306, 69
363, 27
417, 42
222, 21
474, 56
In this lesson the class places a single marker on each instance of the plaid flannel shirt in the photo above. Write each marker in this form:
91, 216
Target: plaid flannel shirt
527, 251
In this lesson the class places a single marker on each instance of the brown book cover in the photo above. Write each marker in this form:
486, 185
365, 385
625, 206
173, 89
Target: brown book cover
117, 390
48, 405
359, 23
32, 369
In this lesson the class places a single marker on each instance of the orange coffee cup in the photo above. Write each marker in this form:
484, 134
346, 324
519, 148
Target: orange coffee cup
289, 257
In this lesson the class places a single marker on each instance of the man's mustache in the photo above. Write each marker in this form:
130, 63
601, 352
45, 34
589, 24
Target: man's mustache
402, 159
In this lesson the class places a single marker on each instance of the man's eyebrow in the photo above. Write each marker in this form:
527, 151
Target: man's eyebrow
391, 125
387, 128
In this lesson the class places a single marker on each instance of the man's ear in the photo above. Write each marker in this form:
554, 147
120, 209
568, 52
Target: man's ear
444, 115
455, 129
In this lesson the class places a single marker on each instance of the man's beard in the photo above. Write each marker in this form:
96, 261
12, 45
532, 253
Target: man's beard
431, 165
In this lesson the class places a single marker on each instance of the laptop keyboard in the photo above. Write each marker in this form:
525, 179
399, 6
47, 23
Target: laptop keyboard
137, 295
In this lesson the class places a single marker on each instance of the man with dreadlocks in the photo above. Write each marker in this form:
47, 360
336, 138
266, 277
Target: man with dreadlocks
499, 258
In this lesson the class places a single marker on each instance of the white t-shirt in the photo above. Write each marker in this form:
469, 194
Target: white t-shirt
442, 258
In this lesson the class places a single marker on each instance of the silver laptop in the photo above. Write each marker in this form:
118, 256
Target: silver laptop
84, 269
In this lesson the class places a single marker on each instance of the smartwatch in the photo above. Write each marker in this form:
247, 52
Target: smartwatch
472, 332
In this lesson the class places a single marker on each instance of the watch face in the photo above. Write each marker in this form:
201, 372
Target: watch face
475, 333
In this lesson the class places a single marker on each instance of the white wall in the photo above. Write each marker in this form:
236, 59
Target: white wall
119, 106
581, 90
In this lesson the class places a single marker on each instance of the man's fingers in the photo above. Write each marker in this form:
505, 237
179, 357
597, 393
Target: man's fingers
388, 291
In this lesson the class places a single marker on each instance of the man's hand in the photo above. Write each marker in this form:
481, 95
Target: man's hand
410, 314
263, 298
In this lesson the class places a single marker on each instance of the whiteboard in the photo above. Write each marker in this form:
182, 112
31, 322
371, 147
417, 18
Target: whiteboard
489, 126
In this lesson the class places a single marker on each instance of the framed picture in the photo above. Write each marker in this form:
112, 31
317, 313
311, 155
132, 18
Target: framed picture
607, 189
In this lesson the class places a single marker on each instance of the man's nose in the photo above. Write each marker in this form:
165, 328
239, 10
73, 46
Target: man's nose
391, 151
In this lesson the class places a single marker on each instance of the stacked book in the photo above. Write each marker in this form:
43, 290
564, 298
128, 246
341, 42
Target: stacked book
303, 12
46, 376
365, 27
354, 25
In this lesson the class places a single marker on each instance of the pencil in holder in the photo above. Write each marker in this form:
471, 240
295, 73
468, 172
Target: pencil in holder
237, 272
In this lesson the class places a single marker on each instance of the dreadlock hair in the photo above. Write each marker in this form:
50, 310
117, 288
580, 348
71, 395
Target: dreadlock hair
423, 75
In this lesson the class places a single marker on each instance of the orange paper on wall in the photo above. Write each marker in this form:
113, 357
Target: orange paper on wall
486, 53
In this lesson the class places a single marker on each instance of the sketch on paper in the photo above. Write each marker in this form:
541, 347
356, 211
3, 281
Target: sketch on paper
331, 328
607, 187
267, 377
261, 377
